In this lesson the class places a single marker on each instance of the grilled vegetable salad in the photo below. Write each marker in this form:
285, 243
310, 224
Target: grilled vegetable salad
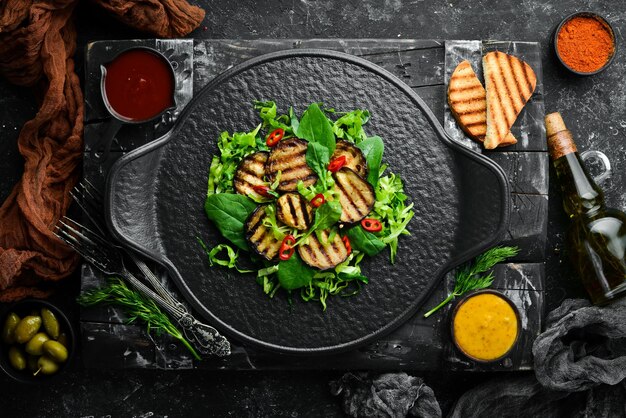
306, 199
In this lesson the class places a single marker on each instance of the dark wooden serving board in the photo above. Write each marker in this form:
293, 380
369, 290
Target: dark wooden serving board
420, 344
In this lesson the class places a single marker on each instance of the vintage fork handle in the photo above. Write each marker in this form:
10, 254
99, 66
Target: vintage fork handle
137, 284
204, 337
207, 339
156, 284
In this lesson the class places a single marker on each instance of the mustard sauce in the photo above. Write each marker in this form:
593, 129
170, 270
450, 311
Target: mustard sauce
485, 326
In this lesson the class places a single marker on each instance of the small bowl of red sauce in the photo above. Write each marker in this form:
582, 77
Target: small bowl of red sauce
585, 43
138, 85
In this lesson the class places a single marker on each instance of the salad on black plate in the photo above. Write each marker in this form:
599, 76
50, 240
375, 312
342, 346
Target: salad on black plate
306, 199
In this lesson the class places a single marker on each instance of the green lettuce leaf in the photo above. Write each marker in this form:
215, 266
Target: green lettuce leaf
229, 213
373, 149
365, 241
350, 126
294, 274
315, 127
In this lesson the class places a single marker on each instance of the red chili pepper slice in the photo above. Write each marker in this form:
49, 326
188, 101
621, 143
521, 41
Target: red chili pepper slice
275, 136
286, 248
289, 240
318, 200
286, 253
346, 242
337, 163
262, 190
371, 225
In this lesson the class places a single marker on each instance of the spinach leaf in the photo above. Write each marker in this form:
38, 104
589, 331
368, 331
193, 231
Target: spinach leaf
315, 127
317, 157
365, 241
293, 273
327, 215
229, 213
373, 149
344, 277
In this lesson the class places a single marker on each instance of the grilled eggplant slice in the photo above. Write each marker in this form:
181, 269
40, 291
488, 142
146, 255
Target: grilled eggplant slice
250, 173
323, 256
289, 158
356, 195
260, 237
354, 157
293, 210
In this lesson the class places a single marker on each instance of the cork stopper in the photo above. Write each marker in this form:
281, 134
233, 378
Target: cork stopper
560, 140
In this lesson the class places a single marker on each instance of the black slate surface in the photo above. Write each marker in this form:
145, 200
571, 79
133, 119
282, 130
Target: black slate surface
426, 337
163, 212
593, 108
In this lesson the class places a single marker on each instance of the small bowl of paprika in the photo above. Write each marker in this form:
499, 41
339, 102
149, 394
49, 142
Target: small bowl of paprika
585, 43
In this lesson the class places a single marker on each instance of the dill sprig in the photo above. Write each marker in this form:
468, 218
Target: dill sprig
137, 307
470, 276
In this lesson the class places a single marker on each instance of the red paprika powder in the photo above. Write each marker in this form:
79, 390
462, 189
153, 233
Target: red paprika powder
585, 44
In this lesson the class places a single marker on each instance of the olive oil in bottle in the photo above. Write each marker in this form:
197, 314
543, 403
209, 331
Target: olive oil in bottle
596, 238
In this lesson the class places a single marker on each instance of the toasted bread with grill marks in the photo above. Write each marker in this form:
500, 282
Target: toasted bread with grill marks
466, 97
510, 83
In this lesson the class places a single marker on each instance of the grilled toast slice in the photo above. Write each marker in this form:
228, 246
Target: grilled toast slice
510, 83
468, 104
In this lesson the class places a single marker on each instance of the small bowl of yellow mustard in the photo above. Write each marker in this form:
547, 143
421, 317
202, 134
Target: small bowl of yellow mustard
485, 326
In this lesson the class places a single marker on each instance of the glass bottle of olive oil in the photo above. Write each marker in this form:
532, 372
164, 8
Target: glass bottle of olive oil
597, 236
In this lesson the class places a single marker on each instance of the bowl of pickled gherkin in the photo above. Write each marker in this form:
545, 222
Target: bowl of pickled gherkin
37, 341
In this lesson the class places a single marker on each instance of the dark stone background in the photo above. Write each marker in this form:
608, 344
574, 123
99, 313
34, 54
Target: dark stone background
594, 108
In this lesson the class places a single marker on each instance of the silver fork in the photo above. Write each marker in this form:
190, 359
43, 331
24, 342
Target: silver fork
100, 251
90, 200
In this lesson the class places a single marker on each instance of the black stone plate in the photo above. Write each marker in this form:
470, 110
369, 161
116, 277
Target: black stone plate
155, 198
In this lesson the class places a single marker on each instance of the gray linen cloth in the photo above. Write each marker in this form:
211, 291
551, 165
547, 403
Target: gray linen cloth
391, 395
580, 371
582, 347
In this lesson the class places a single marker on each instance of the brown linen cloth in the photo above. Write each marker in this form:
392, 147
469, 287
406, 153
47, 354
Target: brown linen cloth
37, 43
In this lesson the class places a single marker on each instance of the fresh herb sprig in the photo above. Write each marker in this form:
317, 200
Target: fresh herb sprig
137, 307
470, 276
